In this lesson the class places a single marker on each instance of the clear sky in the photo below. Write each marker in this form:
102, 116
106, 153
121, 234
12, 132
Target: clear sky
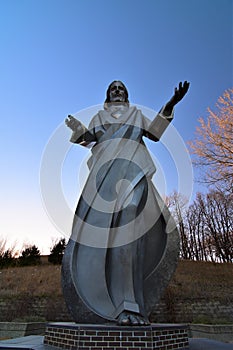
58, 57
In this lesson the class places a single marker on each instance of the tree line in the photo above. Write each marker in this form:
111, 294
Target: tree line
30, 255
206, 226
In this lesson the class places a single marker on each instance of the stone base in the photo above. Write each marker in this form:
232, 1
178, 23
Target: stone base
111, 337
21, 329
218, 332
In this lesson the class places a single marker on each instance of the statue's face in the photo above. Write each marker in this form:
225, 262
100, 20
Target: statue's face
117, 92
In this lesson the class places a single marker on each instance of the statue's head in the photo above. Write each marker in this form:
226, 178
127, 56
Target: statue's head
116, 92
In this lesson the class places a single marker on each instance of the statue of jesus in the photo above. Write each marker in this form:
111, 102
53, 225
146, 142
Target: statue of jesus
119, 232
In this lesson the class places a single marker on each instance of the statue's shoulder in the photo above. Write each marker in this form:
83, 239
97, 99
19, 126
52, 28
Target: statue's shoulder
136, 109
133, 108
102, 112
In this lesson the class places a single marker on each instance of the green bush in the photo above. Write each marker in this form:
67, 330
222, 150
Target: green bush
7, 259
57, 252
29, 256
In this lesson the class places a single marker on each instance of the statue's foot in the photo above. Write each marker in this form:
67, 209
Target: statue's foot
127, 318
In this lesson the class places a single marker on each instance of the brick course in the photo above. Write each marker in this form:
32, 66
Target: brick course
72, 336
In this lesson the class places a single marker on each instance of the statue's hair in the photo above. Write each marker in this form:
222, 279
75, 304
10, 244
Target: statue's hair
108, 92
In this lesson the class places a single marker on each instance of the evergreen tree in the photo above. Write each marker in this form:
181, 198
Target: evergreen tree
57, 252
7, 259
30, 256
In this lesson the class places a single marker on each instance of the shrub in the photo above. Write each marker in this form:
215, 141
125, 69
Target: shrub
7, 259
29, 256
57, 252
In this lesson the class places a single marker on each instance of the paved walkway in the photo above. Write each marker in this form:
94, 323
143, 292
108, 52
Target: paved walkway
208, 344
35, 342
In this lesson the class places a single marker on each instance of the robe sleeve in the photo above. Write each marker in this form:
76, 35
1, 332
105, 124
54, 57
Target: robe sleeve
83, 136
158, 125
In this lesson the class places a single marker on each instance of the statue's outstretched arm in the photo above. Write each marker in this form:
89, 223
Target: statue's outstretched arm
179, 93
165, 115
81, 134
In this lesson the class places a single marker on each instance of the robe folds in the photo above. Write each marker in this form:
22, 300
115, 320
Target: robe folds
121, 225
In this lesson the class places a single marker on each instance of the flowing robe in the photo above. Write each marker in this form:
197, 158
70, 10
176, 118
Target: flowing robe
119, 232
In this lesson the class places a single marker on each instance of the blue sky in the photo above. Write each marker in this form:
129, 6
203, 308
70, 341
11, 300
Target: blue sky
58, 57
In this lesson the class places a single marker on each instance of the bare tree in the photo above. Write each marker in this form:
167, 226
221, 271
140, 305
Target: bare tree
196, 232
177, 204
206, 226
212, 145
217, 209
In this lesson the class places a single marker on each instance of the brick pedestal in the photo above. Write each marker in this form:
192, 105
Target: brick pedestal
72, 336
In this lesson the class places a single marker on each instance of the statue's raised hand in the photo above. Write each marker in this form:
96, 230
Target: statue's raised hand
73, 123
179, 92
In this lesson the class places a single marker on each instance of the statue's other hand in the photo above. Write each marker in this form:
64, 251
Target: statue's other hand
180, 92
72, 123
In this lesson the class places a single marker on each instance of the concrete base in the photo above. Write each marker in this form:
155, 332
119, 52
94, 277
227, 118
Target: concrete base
21, 329
222, 333
109, 336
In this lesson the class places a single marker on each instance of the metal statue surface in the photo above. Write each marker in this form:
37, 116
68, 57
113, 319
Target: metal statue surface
122, 253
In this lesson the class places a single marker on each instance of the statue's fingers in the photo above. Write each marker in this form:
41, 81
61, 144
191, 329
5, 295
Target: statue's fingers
186, 86
71, 118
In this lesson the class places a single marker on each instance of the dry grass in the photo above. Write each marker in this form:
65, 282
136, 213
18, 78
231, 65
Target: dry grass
192, 280
203, 280
37, 280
